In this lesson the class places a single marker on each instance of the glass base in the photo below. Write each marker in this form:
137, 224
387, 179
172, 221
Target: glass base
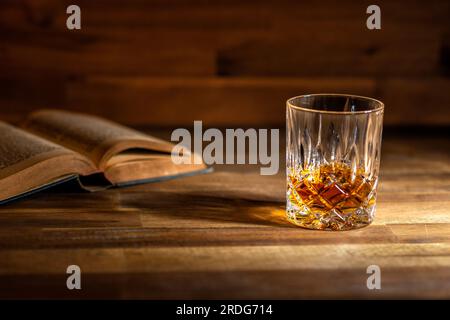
330, 220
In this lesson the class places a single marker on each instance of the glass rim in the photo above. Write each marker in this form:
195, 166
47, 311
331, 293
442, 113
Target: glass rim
291, 105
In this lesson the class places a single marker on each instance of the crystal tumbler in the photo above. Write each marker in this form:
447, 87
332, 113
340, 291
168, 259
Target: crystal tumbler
332, 160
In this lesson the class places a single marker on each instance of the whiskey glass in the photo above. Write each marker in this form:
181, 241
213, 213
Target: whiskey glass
332, 160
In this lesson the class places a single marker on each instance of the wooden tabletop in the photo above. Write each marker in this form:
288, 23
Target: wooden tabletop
223, 235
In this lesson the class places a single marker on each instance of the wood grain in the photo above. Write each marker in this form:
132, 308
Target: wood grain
224, 235
194, 47
220, 102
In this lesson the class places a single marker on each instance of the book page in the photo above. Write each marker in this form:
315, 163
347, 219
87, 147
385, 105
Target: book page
19, 148
92, 136
28, 162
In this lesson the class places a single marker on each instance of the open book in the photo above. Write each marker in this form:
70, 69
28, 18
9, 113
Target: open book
54, 146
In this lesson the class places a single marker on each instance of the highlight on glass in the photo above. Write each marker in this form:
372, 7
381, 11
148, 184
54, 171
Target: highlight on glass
332, 160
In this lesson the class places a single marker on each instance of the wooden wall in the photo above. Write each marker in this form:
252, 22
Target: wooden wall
169, 62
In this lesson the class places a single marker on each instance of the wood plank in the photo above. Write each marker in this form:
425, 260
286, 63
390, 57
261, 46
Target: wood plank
16, 219
203, 14
249, 39
331, 53
219, 102
115, 58
398, 283
44, 65
208, 236
306, 39
247, 102
429, 98
230, 258
155, 273
215, 234
254, 99
439, 232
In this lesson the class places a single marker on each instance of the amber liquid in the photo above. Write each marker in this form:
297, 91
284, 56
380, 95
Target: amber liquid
330, 197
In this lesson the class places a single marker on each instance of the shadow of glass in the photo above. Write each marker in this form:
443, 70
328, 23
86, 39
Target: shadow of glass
187, 206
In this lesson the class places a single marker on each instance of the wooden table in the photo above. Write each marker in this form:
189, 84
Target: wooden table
223, 235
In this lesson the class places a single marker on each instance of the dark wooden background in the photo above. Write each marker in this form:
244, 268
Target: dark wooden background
168, 62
